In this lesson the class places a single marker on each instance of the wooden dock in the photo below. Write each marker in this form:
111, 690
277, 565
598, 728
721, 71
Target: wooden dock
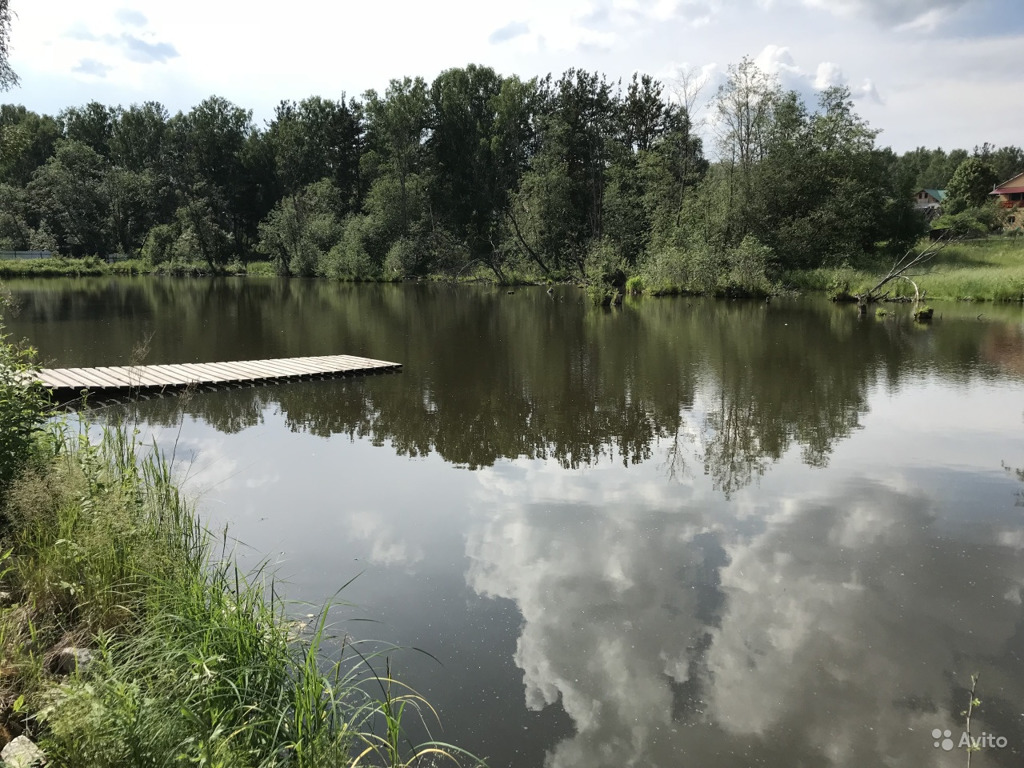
150, 378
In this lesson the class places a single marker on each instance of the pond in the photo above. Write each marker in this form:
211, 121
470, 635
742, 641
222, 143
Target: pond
680, 532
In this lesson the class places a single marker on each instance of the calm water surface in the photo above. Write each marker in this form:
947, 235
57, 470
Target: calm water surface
680, 533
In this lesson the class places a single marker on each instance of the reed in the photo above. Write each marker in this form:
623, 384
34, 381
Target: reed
192, 660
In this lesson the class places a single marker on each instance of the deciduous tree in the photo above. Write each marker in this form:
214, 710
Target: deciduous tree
970, 186
8, 79
302, 228
72, 199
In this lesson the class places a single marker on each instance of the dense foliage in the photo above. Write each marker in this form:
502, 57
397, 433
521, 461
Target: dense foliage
22, 408
7, 76
547, 177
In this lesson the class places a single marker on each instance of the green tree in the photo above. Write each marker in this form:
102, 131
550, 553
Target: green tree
8, 79
515, 141
940, 169
71, 196
467, 191
137, 137
27, 140
745, 109
558, 210
200, 231
658, 160
159, 245
810, 186
970, 186
219, 163
302, 229
837, 186
543, 225
315, 139
142, 190
92, 124
15, 231
1006, 161
397, 131
130, 194
670, 171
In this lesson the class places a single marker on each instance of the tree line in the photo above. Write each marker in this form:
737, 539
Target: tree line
547, 177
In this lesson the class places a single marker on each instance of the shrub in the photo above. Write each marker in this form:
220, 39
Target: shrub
971, 222
602, 265
260, 269
350, 259
747, 268
448, 254
402, 259
665, 271
23, 402
159, 242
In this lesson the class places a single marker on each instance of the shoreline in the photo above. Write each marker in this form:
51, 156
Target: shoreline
130, 635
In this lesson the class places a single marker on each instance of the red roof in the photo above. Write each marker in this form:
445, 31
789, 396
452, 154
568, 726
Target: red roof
1010, 186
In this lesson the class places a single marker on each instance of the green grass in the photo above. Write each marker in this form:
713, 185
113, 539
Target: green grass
194, 661
260, 269
832, 279
53, 267
983, 270
92, 266
131, 267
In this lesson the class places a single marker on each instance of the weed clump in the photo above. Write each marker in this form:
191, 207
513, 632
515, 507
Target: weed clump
129, 635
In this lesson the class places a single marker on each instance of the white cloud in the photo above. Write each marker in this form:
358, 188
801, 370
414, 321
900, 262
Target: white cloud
510, 31
386, 546
922, 14
130, 17
867, 92
91, 67
600, 633
778, 61
807, 632
262, 56
828, 75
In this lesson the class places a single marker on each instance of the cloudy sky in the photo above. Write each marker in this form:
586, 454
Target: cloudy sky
926, 72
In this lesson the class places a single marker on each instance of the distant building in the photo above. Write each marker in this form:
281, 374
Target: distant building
1010, 196
929, 201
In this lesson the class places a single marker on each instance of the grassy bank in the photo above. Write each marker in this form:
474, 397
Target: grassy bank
991, 269
130, 637
92, 266
54, 267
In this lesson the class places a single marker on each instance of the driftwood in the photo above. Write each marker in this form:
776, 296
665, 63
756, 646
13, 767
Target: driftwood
899, 269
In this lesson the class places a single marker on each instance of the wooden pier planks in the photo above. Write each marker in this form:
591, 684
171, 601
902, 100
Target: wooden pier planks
226, 373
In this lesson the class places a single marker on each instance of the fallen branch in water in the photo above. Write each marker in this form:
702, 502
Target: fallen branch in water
899, 269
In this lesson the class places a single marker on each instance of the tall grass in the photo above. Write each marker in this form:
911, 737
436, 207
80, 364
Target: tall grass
979, 270
195, 662
53, 267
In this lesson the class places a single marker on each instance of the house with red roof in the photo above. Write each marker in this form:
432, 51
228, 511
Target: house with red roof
1010, 196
